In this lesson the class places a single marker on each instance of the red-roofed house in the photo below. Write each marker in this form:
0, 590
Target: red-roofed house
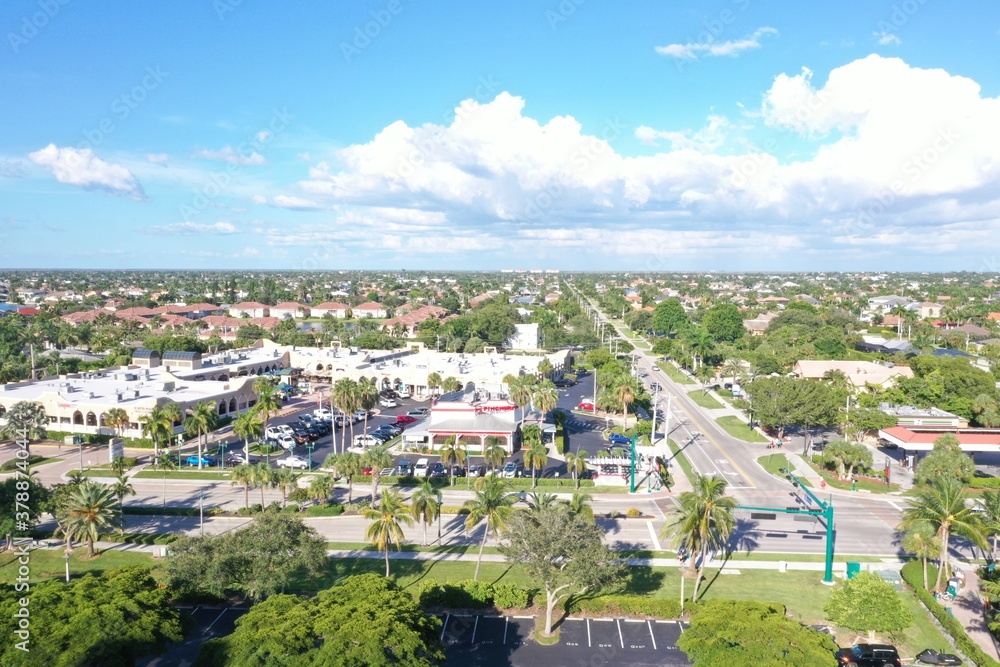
369, 309
82, 316
249, 309
333, 308
970, 440
993, 316
289, 310
410, 322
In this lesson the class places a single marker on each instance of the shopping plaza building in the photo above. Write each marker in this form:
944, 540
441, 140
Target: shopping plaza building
79, 403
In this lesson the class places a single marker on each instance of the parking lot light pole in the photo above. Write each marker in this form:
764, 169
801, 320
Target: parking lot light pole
632, 478
311, 446
223, 448
201, 511
440, 501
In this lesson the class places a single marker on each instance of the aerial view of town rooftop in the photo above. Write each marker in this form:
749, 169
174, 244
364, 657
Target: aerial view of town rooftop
528, 334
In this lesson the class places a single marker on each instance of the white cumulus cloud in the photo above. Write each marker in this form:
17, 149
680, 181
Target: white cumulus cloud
80, 167
695, 50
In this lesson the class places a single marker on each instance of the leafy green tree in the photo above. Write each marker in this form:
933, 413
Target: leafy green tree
385, 529
868, 421
255, 562
847, 456
921, 541
89, 510
946, 460
13, 501
703, 522
25, 417
723, 322
492, 504
868, 603
669, 316
942, 504
563, 552
112, 619
363, 620
725, 633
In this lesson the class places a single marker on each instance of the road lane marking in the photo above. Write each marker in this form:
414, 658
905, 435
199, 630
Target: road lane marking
209, 628
650, 626
506, 622
588, 633
898, 508
680, 404
652, 535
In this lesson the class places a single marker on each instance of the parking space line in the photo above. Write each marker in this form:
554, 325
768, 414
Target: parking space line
652, 535
195, 610
444, 626
620, 638
506, 622
650, 626
588, 633
216, 620
474, 628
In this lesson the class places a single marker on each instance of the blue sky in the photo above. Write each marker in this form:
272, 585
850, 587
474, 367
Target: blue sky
729, 135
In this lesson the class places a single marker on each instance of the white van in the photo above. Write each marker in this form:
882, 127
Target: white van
422, 468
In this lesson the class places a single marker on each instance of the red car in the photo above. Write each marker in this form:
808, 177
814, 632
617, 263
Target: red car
405, 419
585, 405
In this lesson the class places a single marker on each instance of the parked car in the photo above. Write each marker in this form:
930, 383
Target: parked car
403, 468
360, 415
405, 419
287, 442
438, 470
388, 393
321, 427
367, 440
194, 459
477, 470
931, 657
237, 458
276, 432
422, 468
387, 402
655, 386
423, 411
322, 413
585, 405
619, 439
416, 414
306, 419
404, 393
458, 471
513, 469
386, 432
293, 461
655, 367
869, 655
564, 383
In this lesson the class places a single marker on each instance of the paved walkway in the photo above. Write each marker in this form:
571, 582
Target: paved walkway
968, 608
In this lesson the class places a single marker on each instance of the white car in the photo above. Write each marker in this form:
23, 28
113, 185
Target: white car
275, 432
322, 413
286, 442
419, 413
404, 393
366, 440
656, 368
292, 461
360, 415
388, 402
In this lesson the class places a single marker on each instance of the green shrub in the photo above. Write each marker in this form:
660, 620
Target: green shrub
256, 508
12, 464
511, 596
913, 575
985, 483
290, 509
633, 513
465, 594
629, 605
325, 510
156, 511
244, 511
299, 495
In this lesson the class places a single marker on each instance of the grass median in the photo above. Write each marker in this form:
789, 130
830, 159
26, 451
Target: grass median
674, 373
681, 459
704, 399
738, 428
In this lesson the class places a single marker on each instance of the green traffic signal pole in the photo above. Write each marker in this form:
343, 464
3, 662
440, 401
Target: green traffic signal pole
632, 478
825, 510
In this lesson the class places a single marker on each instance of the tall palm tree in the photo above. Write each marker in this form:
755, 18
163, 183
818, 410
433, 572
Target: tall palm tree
942, 505
88, 510
248, 426
453, 452
158, 425
243, 474
704, 521
433, 381
626, 392
492, 504
921, 541
700, 343
424, 505
268, 404
494, 452
520, 394
376, 458
576, 464
344, 395
202, 420
263, 477
117, 419
367, 397
321, 487
732, 367
286, 479
536, 456
346, 465
122, 489
545, 397
165, 464
385, 529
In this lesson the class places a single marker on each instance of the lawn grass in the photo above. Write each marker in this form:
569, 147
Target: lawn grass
738, 428
209, 474
44, 461
772, 463
704, 399
863, 484
674, 373
682, 460
50, 563
433, 548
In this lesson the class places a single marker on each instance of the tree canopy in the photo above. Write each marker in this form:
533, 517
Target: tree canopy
946, 460
867, 603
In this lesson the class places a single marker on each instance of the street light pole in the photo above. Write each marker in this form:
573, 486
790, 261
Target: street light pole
67, 566
201, 511
440, 501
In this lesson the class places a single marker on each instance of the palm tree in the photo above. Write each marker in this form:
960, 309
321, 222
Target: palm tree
159, 425
545, 397
385, 529
88, 510
424, 505
493, 504
263, 476
165, 464
535, 456
346, 465
117, 419
243, 474
122, 489
732, 367
344, 395
576, 464
942, 505
579, 504
433, 381
450, 384
990, 504
704, 521
539, 502
248, 426
367, 397
285, 479
921, 541
494, 453
520, 394
376, 458
321, 487
626, 392
268, 403
700, 343
202, 420
453, 452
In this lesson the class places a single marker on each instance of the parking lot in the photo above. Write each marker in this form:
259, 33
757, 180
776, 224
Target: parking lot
206, 623
503, 640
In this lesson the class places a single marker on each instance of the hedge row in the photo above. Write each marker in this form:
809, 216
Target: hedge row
628, 605
325, 510
913, 575
515, 484
985, 483
470, 594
